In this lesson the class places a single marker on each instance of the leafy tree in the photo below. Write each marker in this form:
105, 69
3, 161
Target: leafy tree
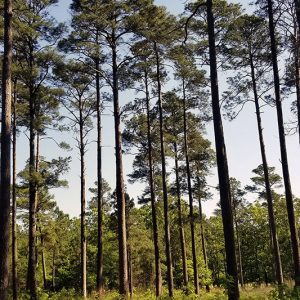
233, 291
79, 102
246, 47
284, 159
35, 32
161, 35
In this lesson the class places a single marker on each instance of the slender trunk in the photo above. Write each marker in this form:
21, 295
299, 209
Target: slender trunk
14, 199
180, 222
43, 259
82, 200
130, 278
158, 279
202, 233
190, 192
164, 179
99, 186
225, 197
53, 270
5, 176
37, 164
238, 241
297, 6
297, 74
275, 244
284, 159
121, 205
31, 271
31, 275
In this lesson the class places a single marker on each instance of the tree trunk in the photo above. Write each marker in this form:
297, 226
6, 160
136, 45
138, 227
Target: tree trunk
99, 186
164, 179
5, 176
202, 233
82, 201
14, 199
284, 159
275, 244
121, 205
297, 6
158, 279
43, 259
238, 241
225, 197
53, 270
190, 192
130, 278
31, 275
180, 222
297, 75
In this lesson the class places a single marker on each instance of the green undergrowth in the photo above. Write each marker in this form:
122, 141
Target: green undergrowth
248, 293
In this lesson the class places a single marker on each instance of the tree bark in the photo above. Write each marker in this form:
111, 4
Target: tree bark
275, 244
121, 205
14, 200
297, 6
297, 74
5, 152
238, 241
82, 200
158, 279
284, 159
31, 275
130, 278
180, 222
202, 233
99, 186
43, 259
190, 192
53, 270
225, 197
164, 179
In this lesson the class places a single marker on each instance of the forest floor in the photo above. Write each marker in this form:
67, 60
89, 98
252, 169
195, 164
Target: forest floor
247, 293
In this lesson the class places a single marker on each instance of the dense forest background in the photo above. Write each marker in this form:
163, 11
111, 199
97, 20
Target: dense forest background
163, 81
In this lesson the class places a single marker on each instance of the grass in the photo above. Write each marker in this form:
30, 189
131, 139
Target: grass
247, 293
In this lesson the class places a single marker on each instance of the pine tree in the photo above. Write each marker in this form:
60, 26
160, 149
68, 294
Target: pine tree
246, 48
79, 103
284, 159
233, 290
5, 151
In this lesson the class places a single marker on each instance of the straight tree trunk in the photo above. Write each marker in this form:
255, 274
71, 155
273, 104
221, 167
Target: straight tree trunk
5, 151
297, 6
284, 159
238, 241
121, 205
164, 179
31, 275
53, 270
275, 244
158, 279
130, 278
202, 233
225, 197
43, 259
180, 222
190, 192
14, 199
82, 201
297, 74
99, 186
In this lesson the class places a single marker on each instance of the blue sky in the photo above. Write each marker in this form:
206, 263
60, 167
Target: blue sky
240, 135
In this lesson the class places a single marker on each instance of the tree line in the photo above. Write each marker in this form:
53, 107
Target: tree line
60, 78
